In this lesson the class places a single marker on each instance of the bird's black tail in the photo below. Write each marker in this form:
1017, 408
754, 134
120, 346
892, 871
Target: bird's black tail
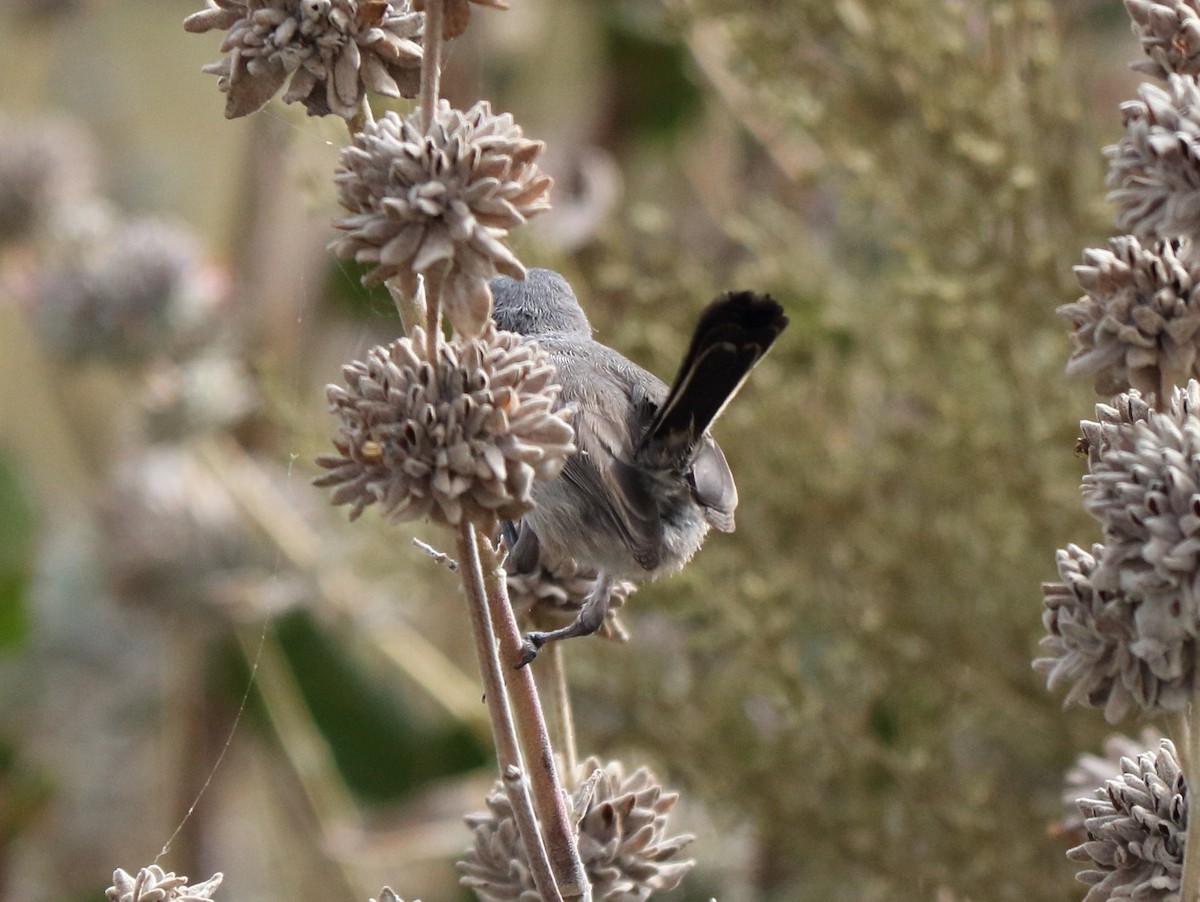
733, 334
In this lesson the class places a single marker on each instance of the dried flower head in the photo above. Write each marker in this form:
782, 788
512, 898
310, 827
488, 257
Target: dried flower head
1143, 486
552, 598
152, 884
1136, 829
1139, 323
458, 14
1123, 622
459, 438
1104, 644
330, 52
45, 167
440, 202
142, 288
622, 826
1170, 34
1154, 170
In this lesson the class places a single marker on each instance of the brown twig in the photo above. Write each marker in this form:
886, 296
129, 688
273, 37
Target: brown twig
431, 61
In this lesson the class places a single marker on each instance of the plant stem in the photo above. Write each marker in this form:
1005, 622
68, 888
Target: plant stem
557, 829
507, 749
1189, 748
433, 310
411, 309
560, 702
431, 61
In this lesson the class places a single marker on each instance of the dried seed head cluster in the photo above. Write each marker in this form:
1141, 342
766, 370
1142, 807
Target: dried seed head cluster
1170, 34
440, 202
45, 167
141, 289
622, 840
458, 438
1140, 318
552, 598
1136, 828
328, 51
1124, 620
458, 14
1154, 170
152, 884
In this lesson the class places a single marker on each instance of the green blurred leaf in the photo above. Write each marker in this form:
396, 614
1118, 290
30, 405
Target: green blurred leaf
16, 555
382, 749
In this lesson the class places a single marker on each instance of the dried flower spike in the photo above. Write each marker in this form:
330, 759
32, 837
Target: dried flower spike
152, 884
440, 201
622, 825
459, 438
328, 51
458, 14
1154, 170
1138, 326
1137, 830
1169, 31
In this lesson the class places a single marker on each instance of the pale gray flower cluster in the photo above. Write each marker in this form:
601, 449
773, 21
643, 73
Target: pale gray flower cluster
152, 884
552, 598
1124, 620
458, 438
1136, 829
329, 52
137, 289
1154, 170
1140, 319
622, 840
45, 167
440, 202
1170, 34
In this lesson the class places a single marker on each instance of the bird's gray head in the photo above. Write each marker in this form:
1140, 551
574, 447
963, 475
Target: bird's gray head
541, 303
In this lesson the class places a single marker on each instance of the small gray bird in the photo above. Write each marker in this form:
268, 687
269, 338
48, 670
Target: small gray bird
638, 497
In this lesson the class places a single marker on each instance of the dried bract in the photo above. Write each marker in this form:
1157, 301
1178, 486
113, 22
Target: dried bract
152, 884
622, 824
1170, 34
459, 438
552, 598
1139, 323
329, 52
1092, 771
1136, 829
440, 202
1154, 170
458, 14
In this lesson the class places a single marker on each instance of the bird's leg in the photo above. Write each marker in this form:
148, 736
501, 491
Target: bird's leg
590, 618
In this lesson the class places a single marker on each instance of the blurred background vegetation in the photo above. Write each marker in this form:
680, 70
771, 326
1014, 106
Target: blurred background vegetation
841, 691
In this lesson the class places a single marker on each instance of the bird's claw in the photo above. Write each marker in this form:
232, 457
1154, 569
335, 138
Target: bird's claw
530, 647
